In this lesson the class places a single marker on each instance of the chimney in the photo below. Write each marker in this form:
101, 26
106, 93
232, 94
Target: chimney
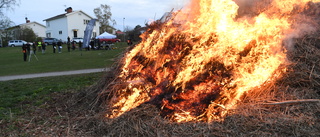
68, 10
27, 21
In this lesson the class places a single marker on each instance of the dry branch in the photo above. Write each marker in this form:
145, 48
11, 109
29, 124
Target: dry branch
294, 102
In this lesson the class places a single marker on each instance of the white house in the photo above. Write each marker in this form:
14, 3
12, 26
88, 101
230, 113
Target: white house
70, 24
38, 29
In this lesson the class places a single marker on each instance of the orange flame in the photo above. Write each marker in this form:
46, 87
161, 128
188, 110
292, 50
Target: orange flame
197, 65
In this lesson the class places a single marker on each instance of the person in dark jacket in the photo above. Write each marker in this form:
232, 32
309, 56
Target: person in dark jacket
80, 45
73, 45
43, 46
59, 46
34, 47
24, 51
92, 44
68, 45
129, 42
54, 46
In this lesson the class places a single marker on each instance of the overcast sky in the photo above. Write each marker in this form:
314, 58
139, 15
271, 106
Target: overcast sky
135, 12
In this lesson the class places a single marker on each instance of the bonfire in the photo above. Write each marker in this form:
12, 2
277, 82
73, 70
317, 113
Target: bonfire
206, 58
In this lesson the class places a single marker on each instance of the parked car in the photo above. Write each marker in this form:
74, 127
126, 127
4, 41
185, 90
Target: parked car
109, 40
77, 40
49, 41
14, 43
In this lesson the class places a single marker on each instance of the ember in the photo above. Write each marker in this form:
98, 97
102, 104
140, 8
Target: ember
199, 63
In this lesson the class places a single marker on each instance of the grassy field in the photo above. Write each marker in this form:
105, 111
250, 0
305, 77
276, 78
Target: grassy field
11, 60
17, 94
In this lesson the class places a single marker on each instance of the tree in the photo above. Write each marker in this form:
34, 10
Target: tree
103, 14
8, 4
134, 34
27, 34
5, 22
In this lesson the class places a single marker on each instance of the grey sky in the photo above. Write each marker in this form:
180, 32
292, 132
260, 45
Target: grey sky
135, 13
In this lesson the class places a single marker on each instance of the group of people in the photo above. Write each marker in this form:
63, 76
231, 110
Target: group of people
56, 45
31, 47
27, 49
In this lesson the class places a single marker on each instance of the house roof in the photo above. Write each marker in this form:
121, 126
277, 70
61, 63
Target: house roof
66, 14
32, 23
24, 24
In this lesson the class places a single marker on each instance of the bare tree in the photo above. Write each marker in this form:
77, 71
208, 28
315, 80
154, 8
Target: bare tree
8, 4
103, 14
5, 22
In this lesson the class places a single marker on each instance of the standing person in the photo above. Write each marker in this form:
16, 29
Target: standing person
68, 45
28, 48
54, 46
73, 45
34, 48
43, 46
24, 51
80, 45
98, 43
39, 45
68, 39
129, 42
92, 44
59, 46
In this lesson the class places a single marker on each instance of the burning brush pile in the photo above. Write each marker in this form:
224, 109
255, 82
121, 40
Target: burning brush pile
209, 57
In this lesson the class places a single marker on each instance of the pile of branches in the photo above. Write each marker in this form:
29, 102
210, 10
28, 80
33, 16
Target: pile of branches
289, 107
283, 108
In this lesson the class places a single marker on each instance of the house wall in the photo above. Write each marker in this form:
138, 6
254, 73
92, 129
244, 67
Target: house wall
39, 30
54, 27
78, 21
75, 22
14, 32
72, 21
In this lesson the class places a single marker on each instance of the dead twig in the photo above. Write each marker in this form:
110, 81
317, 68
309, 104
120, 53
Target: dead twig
58, 112
29, 123
293, 102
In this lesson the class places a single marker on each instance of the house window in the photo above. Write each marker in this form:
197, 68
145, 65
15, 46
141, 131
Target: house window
48, 35
60, 32
48, 24
86, 21
75, 34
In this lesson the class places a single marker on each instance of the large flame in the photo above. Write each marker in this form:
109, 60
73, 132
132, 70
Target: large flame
198, 64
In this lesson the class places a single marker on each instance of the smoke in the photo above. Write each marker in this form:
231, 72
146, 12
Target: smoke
304, 18
251, 7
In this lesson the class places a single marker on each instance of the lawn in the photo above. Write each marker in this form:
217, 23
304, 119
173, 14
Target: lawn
15, 94
18, 95
11, 60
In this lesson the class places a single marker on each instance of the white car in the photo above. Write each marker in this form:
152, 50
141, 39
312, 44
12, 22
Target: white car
14, 43
77, 40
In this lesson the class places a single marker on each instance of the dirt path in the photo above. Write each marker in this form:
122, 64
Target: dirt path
26, 76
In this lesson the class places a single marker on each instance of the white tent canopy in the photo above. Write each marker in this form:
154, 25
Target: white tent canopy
106, 35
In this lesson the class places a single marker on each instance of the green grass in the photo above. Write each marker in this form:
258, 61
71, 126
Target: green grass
18, 94
11, 60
